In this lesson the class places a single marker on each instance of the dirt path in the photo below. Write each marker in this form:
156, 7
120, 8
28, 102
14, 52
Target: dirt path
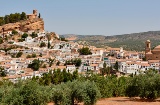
123, 101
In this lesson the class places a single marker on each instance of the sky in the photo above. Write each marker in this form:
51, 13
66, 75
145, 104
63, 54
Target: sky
91, 17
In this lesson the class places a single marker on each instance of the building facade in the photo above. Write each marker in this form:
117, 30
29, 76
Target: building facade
152, 54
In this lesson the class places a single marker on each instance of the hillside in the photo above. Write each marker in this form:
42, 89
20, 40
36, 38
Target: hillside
134, 41
30, 22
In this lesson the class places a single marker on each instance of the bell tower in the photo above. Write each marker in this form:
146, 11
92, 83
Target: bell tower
148, 46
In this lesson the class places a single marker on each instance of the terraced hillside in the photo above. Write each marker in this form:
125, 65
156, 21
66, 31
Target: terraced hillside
134, 41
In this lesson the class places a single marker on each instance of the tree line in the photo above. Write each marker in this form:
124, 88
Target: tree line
62, 87
12, 18
76, 62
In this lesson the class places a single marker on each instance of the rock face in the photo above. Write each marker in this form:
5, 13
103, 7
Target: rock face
54, 35
32, 23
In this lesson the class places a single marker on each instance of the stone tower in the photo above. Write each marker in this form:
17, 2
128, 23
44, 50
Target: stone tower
148, 46
35, 12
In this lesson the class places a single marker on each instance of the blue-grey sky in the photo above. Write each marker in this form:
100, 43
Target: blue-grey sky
91, 17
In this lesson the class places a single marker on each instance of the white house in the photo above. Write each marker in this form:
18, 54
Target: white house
70, 68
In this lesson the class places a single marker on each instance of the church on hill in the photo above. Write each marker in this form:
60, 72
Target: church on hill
152, 54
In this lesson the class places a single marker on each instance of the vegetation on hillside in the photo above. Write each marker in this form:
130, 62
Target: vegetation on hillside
63, 39
66, 88
12, 18
84, 51
134, 41
76, 62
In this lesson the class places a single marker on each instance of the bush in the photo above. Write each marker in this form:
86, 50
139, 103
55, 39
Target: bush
28, 56
42, 44
19, 54
14, 32
34, 55
85, 51
1, 40
144, 85
33, 35
76, 62
24, 36
86, 89
34, 94
74, 92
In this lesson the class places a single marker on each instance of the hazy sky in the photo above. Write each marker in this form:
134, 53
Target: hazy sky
102, 17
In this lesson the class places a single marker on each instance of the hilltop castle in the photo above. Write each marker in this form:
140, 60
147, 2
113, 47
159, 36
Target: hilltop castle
152, 54
32, 16
32, 23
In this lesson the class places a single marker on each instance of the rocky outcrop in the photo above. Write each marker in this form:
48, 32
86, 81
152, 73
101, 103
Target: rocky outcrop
24, 26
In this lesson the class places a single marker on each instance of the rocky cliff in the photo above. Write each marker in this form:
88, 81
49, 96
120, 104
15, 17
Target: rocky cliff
24, 25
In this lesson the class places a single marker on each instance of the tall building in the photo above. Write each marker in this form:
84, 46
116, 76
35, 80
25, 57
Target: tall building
152, 54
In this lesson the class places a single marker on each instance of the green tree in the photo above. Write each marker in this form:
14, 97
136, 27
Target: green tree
25, 35
105, 70
20, 40
34, 55
6, 49
58, 63
33, 35
44, 66
144, 85
63, 39
51, 62
11, 95
49, 45
76, 62
23, 16
116, 66
104, 85
17, 17
34, 94
73, 92
61, 94
119, 86
19, 54
6, 19
28, 56
85, 51
2, 72
39, 16
75, 75
90, 93
14, 32
2, 22
1, 40
35, 65
48, 36
42, 44
40, 54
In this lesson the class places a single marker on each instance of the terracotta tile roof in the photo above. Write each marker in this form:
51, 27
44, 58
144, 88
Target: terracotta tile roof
23, 74
11, 77
58, 67
29, 73
94, 65
153, 61
145, 64
113, 49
